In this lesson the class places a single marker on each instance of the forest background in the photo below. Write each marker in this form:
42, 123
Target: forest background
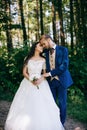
22, 22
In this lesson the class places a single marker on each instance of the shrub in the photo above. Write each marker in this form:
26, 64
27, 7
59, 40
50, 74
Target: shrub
11, 70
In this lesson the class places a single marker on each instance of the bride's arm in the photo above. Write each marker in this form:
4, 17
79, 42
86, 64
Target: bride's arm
45, 75
25, 72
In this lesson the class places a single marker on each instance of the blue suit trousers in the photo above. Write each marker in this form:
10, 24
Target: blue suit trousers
60, 97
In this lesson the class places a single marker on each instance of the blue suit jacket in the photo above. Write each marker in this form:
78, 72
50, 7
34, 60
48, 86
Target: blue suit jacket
61, 66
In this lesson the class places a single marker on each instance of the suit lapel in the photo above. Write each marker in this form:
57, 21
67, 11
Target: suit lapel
47, 61
56, 55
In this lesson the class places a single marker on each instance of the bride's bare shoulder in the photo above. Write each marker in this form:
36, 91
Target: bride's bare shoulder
42, 58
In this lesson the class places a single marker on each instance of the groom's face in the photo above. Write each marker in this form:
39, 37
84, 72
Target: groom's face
45, 43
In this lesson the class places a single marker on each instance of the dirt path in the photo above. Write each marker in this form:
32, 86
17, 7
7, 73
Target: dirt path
69, 125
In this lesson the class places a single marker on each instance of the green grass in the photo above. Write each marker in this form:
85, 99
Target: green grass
77, 109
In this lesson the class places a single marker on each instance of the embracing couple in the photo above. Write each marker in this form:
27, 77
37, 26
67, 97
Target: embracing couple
45, 82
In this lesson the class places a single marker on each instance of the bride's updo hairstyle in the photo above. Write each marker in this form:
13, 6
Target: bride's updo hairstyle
31, 53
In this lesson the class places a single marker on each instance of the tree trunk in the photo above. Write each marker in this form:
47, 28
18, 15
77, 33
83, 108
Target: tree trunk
61, 22
23, 22
78, 22
8, 26
41, 17
37, 16
84, 28
54, 22
71, 23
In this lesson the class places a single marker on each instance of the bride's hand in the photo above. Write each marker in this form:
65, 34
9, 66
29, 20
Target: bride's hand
38, 81
34, 82
46, 75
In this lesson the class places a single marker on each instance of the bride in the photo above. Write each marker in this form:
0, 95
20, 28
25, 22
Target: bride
33, 107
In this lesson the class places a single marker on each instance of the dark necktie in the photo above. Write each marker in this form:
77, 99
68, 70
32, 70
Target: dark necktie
51, 50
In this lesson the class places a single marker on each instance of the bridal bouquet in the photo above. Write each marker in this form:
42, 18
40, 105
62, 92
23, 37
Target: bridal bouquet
35, 79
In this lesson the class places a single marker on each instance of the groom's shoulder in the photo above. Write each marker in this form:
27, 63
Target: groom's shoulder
61, 47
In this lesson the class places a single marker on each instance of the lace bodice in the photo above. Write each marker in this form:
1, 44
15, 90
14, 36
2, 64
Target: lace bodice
35, 68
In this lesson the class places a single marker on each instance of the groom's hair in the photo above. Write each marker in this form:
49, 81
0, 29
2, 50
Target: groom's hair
46, 36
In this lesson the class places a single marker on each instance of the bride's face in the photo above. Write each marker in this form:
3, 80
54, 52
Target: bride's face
39, 47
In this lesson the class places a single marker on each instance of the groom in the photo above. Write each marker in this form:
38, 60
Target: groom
59, 76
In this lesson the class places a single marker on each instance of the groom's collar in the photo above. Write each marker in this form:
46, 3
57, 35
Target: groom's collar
54, 47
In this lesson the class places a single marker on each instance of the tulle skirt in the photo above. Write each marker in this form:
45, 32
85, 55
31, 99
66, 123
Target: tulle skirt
33, 109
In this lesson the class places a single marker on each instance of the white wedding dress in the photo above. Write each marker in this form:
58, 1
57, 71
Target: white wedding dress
33, 108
